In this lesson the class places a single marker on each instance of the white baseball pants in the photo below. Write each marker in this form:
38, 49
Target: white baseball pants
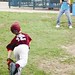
21, 55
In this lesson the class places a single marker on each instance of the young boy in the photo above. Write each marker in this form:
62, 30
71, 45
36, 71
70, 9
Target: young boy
65, 8
20, 45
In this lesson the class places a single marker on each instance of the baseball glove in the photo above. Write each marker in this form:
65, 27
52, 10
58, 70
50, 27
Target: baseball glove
11, 67
8, 62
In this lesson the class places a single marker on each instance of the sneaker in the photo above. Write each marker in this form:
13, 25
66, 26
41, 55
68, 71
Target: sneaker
57, 26
70, 26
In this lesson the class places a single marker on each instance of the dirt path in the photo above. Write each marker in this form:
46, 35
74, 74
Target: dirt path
56, 66
70, 49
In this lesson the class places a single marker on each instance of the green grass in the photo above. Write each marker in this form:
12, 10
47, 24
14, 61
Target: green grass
46, 39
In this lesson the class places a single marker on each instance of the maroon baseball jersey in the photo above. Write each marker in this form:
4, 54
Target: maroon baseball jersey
21, 38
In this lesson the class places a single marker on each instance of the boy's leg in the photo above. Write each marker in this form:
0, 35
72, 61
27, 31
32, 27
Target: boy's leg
22, 62
59, 16
67, 12
21, 55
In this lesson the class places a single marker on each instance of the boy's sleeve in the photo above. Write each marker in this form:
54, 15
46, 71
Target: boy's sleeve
11, 45
29, 38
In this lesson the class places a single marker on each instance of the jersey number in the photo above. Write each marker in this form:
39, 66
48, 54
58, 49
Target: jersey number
20, 37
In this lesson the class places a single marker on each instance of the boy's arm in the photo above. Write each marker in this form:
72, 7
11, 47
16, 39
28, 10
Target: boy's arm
69, 1
9, 60
60, 1
9, 54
